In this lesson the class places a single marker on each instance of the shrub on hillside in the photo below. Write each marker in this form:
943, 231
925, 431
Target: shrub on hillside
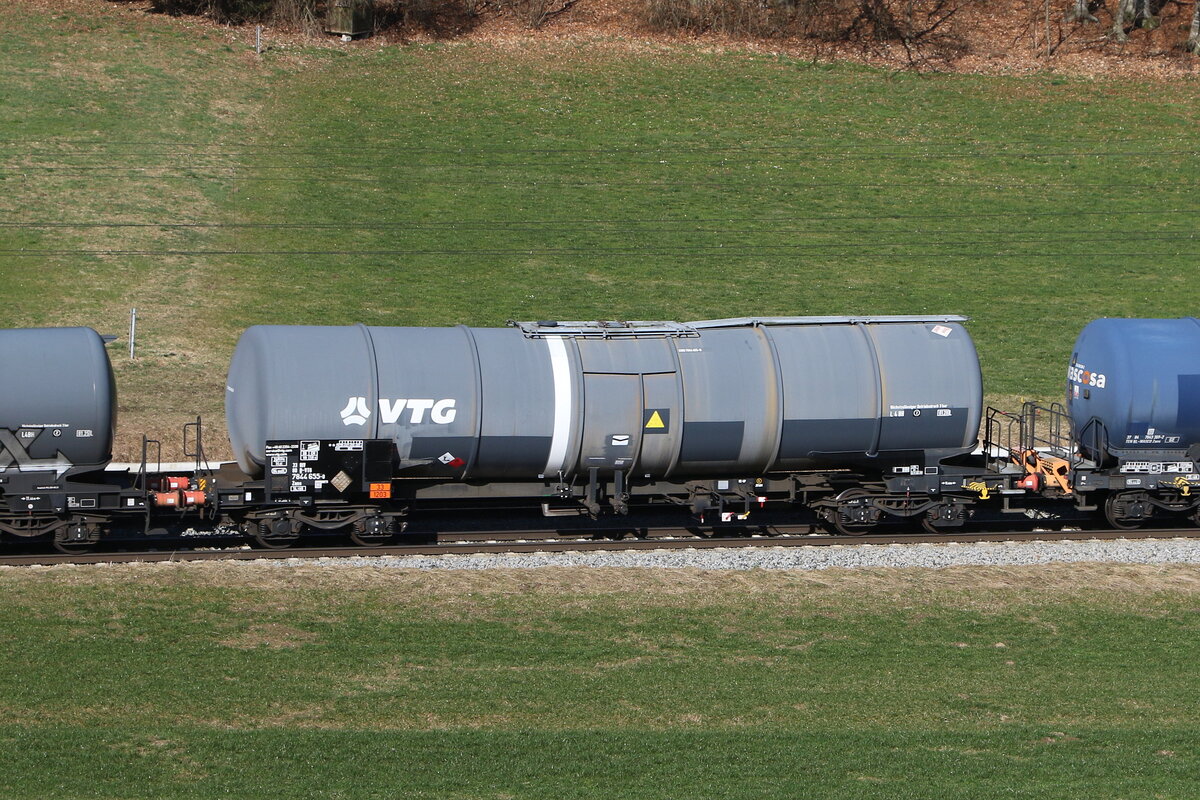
910, 22
862, 21
298, 12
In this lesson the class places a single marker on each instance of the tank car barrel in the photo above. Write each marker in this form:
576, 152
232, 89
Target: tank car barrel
57, 399
654, 400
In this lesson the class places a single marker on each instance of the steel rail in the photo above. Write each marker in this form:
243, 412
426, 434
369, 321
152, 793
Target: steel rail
539, 542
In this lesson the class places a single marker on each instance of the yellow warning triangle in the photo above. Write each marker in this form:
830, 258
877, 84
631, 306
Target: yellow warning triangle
655, 421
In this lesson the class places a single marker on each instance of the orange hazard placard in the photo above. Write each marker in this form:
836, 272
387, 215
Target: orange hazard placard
381, 491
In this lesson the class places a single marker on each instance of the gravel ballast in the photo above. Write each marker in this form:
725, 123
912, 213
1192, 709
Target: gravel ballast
987, 554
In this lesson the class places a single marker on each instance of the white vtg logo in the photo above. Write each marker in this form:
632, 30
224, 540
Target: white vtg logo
441, 412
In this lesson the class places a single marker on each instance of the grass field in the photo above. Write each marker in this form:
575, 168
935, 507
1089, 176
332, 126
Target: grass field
156, 163
206, 681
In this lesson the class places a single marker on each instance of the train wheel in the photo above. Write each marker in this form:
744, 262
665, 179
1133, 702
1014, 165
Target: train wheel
851, 519
373, 531
73, 549
951, 515
1127, 511
276, 534
76, 538
851, 528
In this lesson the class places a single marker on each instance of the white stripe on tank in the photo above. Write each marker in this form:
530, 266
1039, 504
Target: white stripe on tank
561, 368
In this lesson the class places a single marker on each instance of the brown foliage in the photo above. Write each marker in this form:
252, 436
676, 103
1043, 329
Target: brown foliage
973, 36
920, 27
443, 17
827, 20
300, 14
907, 21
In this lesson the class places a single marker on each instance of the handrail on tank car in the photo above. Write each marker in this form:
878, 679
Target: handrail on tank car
1094, 439
615, 329
1046, 429
197, 451
1056, 436
602, 329
998, 435
752, 322
141, 481
1041, 441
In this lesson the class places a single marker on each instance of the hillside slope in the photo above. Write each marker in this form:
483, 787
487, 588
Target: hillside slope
158, 163
973, 36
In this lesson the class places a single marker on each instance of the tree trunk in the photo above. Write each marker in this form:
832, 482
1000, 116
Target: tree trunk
1079, 12
1133, 12
1123, 14
1193, 42
1144, 15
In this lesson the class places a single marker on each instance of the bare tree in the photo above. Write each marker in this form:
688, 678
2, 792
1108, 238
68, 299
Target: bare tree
1080, 11
1134, 13
1193, 42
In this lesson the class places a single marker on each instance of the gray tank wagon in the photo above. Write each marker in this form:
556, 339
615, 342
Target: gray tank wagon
849, 422
57, 400
655, 401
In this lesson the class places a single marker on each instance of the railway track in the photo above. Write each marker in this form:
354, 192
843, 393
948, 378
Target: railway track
533, 541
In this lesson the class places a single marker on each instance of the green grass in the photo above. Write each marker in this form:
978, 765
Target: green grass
193, 682
468, 183
686, 185
189, 763
472, 183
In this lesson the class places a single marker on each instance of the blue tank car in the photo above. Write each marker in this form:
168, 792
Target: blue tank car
1133, 389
